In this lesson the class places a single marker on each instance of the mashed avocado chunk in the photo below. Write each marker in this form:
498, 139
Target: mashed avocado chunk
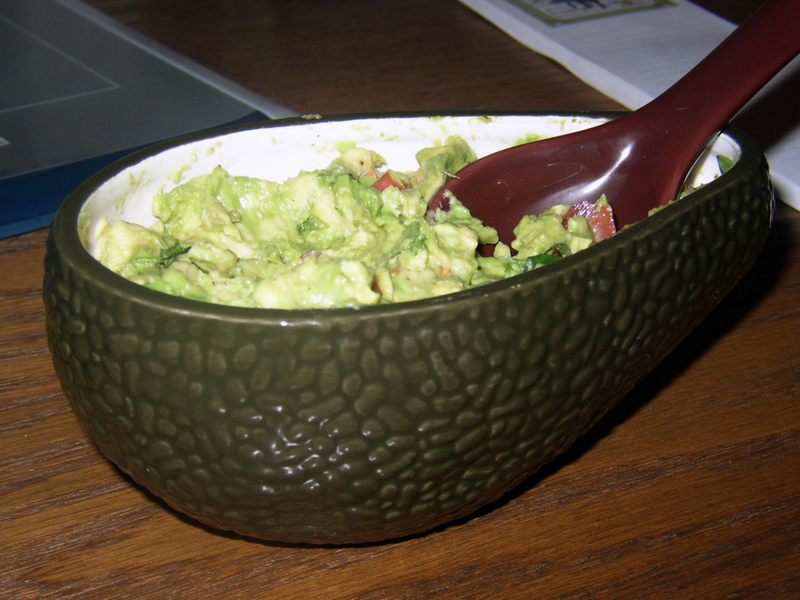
350, 234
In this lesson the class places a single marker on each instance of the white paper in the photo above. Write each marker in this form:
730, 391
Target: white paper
634, 56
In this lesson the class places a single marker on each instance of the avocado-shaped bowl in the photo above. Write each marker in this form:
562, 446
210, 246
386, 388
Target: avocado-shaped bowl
353, 425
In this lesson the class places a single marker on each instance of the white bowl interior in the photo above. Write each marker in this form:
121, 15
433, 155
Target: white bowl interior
279, 152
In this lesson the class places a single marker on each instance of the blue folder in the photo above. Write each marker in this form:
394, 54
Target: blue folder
79, 90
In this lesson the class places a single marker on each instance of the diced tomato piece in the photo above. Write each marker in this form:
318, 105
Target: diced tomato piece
388, 180
602, 222
600, 218
581, 208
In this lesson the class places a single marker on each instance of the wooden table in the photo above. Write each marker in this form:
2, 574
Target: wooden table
690, 488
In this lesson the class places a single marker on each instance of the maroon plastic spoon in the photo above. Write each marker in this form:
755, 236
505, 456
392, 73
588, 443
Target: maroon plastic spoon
640, 160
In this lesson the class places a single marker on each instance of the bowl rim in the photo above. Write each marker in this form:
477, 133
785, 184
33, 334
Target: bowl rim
65, 239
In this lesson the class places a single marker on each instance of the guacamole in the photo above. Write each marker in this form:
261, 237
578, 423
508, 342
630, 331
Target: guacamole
351, 234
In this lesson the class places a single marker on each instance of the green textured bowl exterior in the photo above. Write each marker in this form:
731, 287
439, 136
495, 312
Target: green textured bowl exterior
358, 425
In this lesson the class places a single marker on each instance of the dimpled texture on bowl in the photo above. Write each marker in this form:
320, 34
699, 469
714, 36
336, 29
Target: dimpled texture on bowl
350, 426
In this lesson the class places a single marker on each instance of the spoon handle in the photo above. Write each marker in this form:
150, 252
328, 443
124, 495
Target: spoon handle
707, 97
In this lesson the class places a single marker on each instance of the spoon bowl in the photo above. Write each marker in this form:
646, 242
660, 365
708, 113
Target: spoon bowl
639, 161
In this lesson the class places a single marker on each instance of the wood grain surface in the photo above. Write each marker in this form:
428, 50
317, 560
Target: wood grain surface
690, 488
